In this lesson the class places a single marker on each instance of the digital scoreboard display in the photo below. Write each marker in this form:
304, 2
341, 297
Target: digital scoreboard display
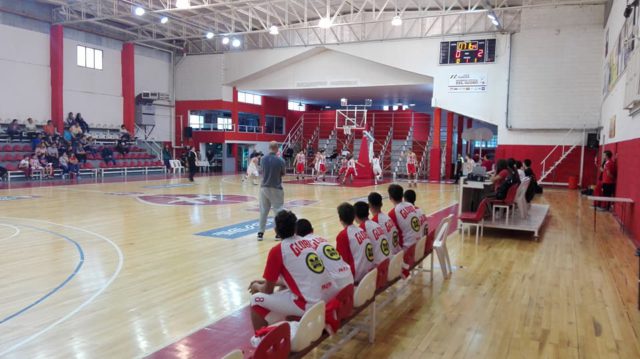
468, 52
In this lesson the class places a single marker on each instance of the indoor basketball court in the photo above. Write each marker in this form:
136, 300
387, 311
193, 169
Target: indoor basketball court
321, 179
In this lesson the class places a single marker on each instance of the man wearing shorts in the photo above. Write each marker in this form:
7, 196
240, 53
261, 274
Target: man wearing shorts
271, 192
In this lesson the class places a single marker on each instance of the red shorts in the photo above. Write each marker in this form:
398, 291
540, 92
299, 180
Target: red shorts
351, 172
300, 168
322, 168
411, 168
342, 170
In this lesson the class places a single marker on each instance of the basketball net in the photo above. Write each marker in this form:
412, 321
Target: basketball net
347, 130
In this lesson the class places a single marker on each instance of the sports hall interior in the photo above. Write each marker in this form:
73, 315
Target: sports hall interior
112, 252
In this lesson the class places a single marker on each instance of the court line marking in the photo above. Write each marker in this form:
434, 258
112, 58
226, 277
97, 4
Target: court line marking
59, 286
16, 233
85, 303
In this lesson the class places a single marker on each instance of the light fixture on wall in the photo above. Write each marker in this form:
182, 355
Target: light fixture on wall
273, 30
139, 11
325, 22
236, 43
225, 40
164, 20
209, 35
183, 4
344, 102
396, 21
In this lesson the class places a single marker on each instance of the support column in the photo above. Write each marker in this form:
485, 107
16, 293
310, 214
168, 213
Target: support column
234, 153
435, 152
128, 86
56, 47
460, 129
469, 125
234, 110
448, 147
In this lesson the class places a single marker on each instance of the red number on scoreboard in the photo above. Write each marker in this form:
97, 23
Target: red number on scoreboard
480, 53
458, 54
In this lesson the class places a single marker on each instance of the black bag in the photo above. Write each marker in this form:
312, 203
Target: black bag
511, 179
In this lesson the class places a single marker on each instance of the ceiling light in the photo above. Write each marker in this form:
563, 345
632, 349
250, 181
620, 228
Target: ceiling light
495, 22
412, 105
396, 21
209, 35
273, 30
183, 4
164, 20
225, 40
139, 11
235, 43
325, 22
491, 15
327, 107
395, 107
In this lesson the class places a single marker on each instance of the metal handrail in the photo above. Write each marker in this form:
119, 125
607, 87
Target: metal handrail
544, 161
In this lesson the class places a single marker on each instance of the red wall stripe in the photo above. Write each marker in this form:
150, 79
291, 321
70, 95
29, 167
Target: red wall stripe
56, 64
128, 86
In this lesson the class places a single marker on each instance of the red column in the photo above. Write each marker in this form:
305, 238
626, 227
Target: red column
449, 146
56, 64
469, 125
435, 152
460, 129
128, 86
234, 110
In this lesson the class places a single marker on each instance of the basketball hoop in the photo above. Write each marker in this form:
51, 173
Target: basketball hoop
347, 130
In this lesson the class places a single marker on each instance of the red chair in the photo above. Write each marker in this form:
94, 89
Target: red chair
474, 219
12, 167
6, 148
18, 148
383, 273
26, 148
276, 344
506, 203
88, 166
18, 157
103, 165
6, 157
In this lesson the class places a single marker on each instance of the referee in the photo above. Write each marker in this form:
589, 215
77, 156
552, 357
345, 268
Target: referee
271, 192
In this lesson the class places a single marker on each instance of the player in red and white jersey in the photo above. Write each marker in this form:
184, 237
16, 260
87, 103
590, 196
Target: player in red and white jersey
375, 206
320, 164
299, 164
338, 269
351, 169
343, 169
410, 196
412, 168
377, 168
404, 216
353, 244
302, 271
375, 232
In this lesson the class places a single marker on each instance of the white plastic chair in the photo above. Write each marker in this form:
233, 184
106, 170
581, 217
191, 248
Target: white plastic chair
521, 201
310, 327
440, 246
366, 289
395, 266
420, 247
236, 354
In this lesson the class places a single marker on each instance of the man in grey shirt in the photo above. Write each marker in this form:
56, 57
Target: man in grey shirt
271, 192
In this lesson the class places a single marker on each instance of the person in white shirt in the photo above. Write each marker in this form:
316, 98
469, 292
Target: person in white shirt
353, 244
406, 218
377, 168
378, 216
410, 196
520, 170
299, 164
252, 170
320, 164
412, 168
377, 235
351, 169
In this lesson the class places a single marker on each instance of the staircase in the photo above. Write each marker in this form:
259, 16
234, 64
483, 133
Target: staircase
551, 162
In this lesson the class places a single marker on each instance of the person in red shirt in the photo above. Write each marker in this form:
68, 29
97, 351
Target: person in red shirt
302, 271
502, 172
353, 244
486, 163
608, 179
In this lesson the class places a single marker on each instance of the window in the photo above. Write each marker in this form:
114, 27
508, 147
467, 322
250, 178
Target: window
89, 58
249, 98
248, 122
492, 143
297, 106
224, 124
210, 120
274, 124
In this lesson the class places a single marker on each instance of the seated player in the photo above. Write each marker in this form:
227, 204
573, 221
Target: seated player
404, 216
338, 269
299, 164
303, 273
353, 244
375, 206
410, 196
375, 232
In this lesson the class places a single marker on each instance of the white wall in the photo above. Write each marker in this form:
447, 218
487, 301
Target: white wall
25, 89
613, 103
154, 73
97, 94
199, 77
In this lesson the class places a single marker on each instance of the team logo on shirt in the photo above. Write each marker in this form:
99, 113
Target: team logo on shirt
415, 224
396, 239
369, 252
315, 263
384, 246
331, 253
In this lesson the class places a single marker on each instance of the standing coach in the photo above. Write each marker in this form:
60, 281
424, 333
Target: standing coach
271, 192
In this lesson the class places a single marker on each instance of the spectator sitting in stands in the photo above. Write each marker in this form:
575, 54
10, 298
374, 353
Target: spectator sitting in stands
69, 121
84, 126
52, 154
122, 147
63, 146
107, 155
74, 167
35, 142
14, 130
30, 128
47, 167
81, 154
88, 143
67, 136
35, 166
75, 130
25, 166
63, 163
49, 129
124, 134
41, 150
3, 173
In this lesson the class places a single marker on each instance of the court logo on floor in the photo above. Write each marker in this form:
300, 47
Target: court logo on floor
193, 199
15, 198
237, 230
289, 204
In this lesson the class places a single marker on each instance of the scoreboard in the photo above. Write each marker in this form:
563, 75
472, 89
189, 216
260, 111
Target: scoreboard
468, 51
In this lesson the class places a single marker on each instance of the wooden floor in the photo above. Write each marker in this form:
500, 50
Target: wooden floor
105, 271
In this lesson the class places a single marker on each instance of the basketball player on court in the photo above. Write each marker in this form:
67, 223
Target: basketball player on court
412, 172
299, 164
343, 169
377, 168
353, 244
338, 269
375, 205
351, 169
303, 273
406, 218
320, 165
375, 232
252, 170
